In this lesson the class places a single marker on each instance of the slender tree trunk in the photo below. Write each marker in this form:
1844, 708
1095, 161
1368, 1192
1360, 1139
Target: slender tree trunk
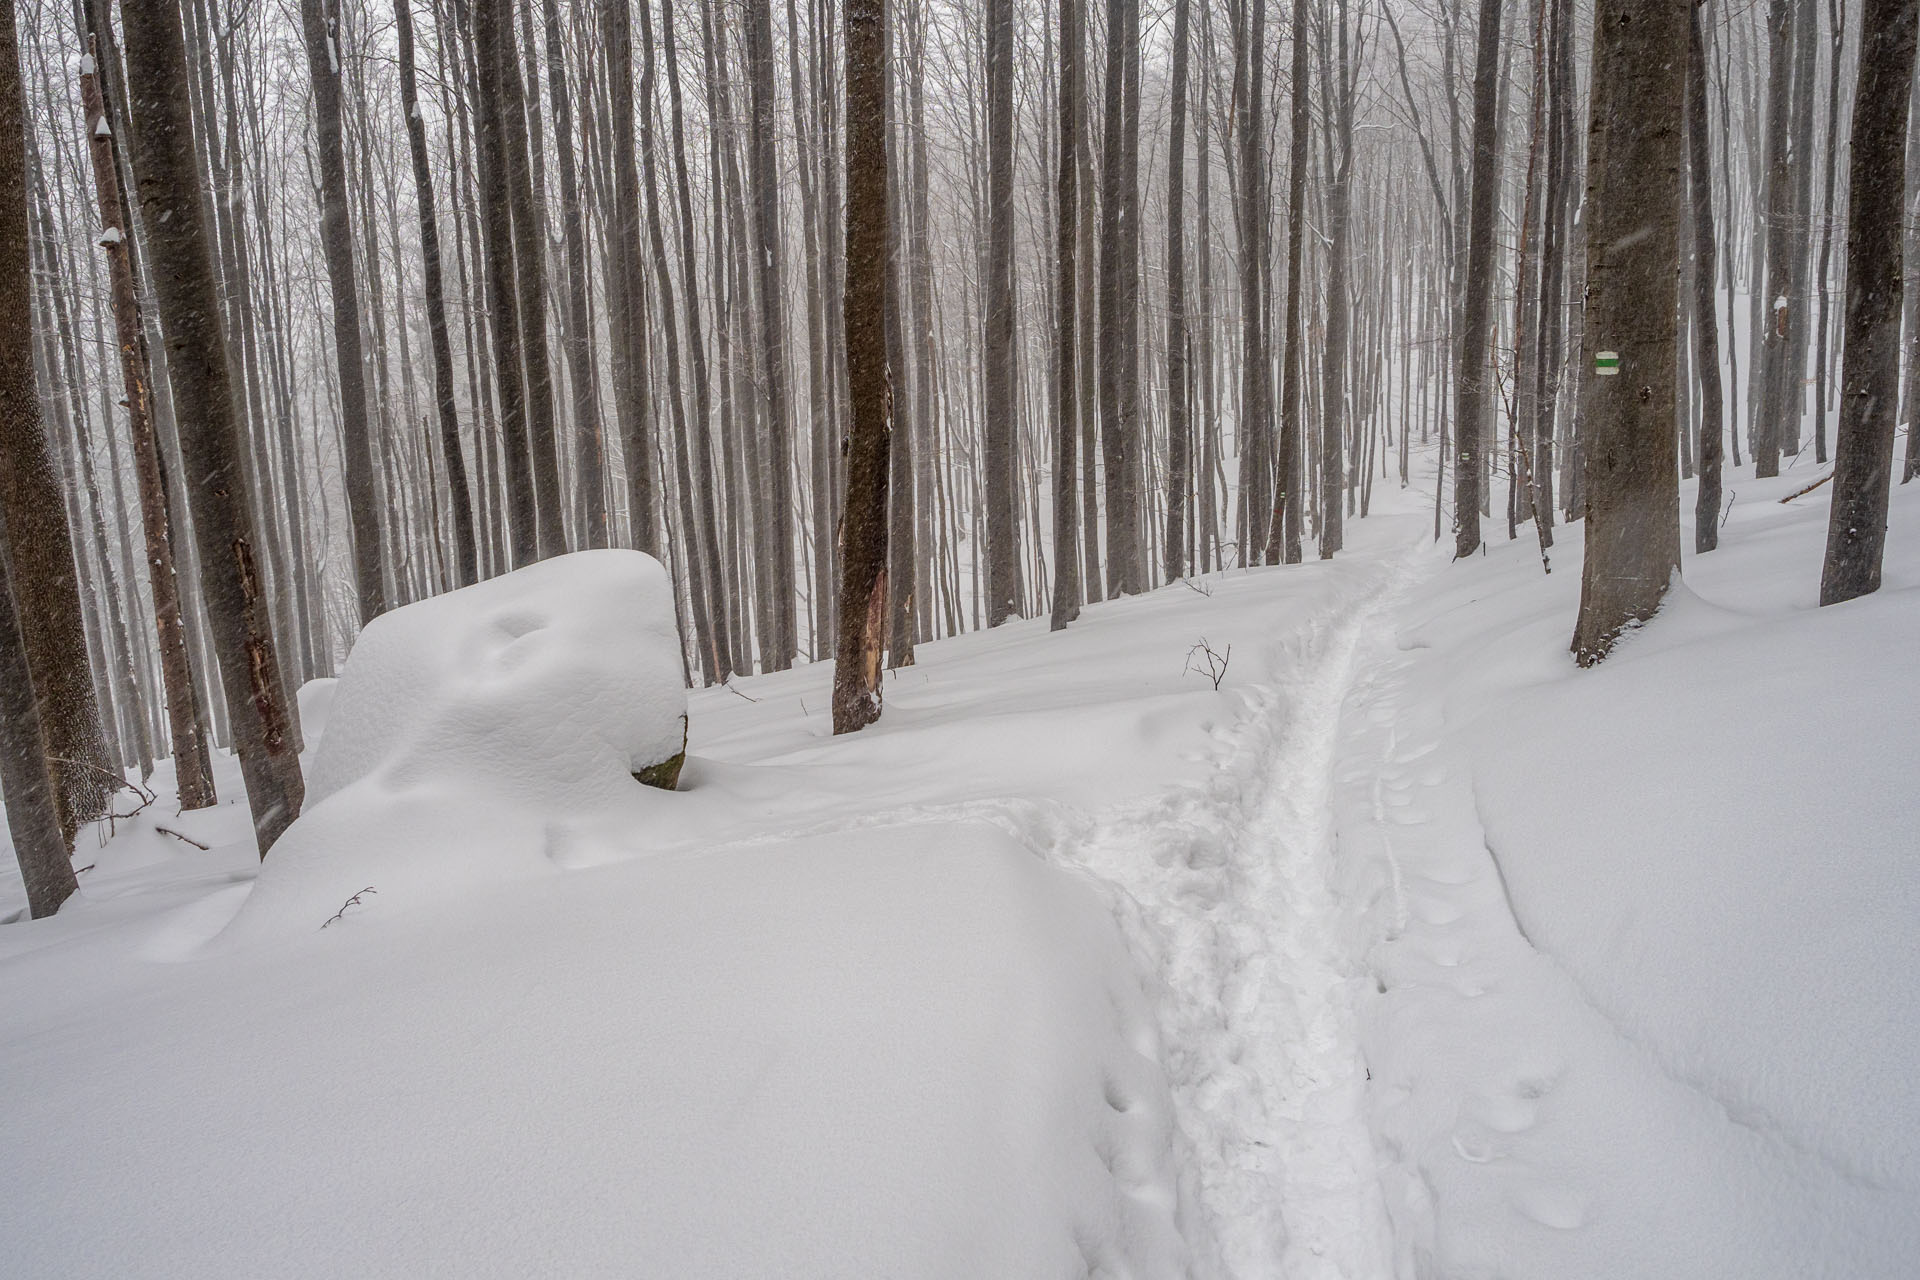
1003, 574
1476, 322
1706, 513
459, 495
1778, 381
1119, 282
1334, 354
1283, 537
1066, 347
1179, 420
1635, 159
195, 781
777, 507
168, 176
321, 29
863, 537
1870, 371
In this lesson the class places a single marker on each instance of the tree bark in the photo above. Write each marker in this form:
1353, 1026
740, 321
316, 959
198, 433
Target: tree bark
1635, 159
321, 29
1066, 347
1003, 573
863, 536
1870, 369
466, 555
1179, 420
1706, 512
168, 177
1476, 320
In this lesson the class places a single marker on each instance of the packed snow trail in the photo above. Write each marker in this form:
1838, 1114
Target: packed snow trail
1225, 890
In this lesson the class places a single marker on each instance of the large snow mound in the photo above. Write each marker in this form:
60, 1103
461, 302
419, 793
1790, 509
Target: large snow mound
484, 734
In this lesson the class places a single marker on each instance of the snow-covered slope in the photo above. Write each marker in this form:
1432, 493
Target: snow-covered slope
1409, 950
1643, 1000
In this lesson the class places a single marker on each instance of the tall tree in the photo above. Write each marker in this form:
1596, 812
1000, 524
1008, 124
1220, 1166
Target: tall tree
1337, 84
764, 179
1706, 322
33, 818
1870, 368
1066, 347
1179, 422
626, 305
167, 174
1778, 381
320, 24
1003, 550
1635, 166
1119, 299
194, 779
863, 536
1254, 427
466, 555
1283, 538
1475, 336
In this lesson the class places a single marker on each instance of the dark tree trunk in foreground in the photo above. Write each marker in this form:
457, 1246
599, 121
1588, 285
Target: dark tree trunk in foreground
33, 818
1254, 426
1777, 379
1870, 369
194, 779
322, 32
1119, 283
1635, 159
1706, 512
466, 554
863, 534
168, 180
45, 583
1066, 346
1003, 550
1476, 322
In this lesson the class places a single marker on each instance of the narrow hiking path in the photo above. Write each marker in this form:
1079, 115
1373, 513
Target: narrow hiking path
1228, 892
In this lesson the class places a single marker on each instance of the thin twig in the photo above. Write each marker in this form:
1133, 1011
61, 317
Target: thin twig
354, 901
728, 686
1801, 493
169, 831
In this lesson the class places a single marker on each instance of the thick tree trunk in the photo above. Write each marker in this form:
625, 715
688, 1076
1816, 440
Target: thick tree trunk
1119, 283
1635, 159
1778, 381
1870, 369
1338, 90
1066, 347
168, 176
1253, 426
863, 536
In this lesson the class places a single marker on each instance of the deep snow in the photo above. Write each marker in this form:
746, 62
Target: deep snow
1410, 950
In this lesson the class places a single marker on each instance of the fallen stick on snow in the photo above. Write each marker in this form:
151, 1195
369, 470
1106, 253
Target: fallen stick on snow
1801, 493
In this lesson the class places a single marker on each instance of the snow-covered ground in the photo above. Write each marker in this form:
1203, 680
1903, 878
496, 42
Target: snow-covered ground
1409, 950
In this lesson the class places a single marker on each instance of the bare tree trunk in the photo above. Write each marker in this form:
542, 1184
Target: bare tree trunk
168, 175
321, 29
1119, 309
1179, 420
1837, 36
1003, 574
1333, 355
1635, 159
1870, 373
1778, 381
466, 555
777, 508
1253, 427
1066, 347
1283, 537
863, 538
1476, 322
1706, 513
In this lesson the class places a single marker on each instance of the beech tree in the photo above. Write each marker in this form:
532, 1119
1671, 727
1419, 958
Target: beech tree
1870, 373
1635, 166
863, 537
167, 171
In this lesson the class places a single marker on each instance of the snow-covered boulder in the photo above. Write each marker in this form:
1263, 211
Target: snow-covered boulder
557, 682
485, 735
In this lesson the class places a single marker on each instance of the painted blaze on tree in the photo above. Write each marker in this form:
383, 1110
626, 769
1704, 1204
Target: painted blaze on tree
1634, 174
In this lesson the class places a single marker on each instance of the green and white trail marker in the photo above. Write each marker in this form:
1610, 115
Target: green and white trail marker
1606, 363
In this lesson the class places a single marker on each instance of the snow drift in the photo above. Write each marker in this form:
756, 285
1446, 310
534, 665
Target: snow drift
480, 733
